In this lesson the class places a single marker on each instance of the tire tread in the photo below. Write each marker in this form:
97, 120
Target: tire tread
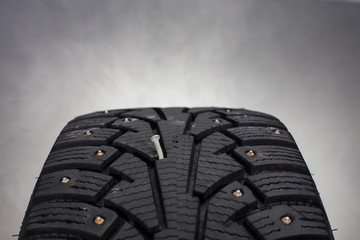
186, 195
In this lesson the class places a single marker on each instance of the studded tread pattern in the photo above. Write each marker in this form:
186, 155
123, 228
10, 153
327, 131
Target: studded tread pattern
207, 186
98, 136
71, 217
89, 123
83, 157
249, 136
270, 157
82, 185
306, 223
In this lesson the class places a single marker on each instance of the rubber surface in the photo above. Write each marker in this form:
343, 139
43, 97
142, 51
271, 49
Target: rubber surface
227, 174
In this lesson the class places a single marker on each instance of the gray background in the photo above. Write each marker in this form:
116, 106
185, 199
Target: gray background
297, 60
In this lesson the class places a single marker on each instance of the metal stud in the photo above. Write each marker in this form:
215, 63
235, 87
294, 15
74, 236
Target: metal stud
250, 153
286, 219
245, 115
217, 121
100, 153
65, 180
99, 220
277, 132
237, 193
228, 110
88, 133
127, 120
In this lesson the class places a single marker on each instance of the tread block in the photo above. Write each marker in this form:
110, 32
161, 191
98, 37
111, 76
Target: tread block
174, 142
306, 223
129, 167
135, 125
251, 120
167, 234
74, 218
53, 236
285, 186
100, 114
272, 158
82, 185
136, 201
186, 214
198, 110
214, 170
99, 136
174, 171
80, 157
234, 232
138, 143
219, 143
176, 114
244, 112
205, 125
224, 206
127, 231
88, 123
143, 113
224, 209
180, 207
250, 136
135, 198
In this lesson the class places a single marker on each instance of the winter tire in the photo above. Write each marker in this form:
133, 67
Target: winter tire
226, 174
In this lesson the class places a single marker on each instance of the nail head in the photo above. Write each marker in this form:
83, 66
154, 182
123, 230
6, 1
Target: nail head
100, 153
277, 132
286, 219
88, 133
250, 153
65, 180
237, 193
99, 220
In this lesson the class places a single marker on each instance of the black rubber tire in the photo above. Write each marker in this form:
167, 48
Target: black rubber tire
227, 174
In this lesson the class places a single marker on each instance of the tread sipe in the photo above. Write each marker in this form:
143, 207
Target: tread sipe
226, 174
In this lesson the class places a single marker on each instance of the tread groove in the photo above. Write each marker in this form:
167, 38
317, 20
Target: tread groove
160, 113
158, 198
189, 123
201, 220
194, 159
